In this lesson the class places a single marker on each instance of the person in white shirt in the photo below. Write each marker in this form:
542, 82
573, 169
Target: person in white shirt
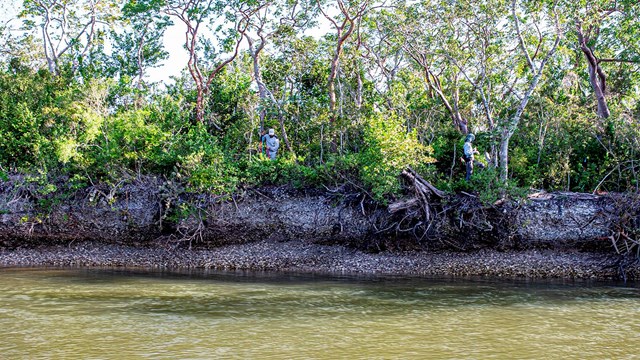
272, 144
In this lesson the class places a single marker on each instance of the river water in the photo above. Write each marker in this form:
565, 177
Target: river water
127, 314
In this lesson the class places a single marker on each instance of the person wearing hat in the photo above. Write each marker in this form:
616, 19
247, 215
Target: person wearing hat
469, 152
271, 143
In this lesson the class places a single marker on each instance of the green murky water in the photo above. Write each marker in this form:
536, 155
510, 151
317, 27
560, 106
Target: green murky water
117, 314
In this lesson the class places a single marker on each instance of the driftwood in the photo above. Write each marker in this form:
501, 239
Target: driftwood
411, 174
424, 190
403, 205
545, 196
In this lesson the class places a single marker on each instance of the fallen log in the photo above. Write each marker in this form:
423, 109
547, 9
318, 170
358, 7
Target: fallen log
403, 205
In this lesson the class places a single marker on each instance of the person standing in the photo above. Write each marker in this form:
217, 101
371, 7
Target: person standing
271, 144
262, 146
469, 152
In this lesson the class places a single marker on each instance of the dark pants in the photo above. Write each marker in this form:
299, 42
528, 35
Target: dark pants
470, 164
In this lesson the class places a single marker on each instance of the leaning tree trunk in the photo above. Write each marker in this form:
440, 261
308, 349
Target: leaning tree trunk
597, 78
509, 128
283, 132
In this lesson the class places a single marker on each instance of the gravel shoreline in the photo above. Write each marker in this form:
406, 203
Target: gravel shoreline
296, 256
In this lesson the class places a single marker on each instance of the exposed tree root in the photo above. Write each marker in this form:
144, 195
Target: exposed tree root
432, 215
623, 215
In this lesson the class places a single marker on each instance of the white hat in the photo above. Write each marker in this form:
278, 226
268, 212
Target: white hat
272, 132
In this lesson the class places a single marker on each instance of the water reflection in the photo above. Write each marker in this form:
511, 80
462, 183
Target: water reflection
115, 313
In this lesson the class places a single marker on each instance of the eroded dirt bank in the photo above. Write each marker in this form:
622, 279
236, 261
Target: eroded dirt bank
280, 228
150, 210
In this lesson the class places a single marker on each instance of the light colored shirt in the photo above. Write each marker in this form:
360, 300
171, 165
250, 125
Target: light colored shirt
272, 143
468, 149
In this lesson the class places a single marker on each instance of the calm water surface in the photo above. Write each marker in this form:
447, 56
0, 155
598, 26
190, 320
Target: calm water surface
117, 314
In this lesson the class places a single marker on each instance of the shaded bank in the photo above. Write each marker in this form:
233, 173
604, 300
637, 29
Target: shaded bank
161, 215
154, 211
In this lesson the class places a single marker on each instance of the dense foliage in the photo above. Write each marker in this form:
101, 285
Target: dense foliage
550, 88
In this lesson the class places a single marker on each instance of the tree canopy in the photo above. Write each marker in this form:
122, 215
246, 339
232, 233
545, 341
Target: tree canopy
357, 90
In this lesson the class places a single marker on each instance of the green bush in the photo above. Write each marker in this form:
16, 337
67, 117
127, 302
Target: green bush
32, 114
389, 149
286, 170
260, 170
486, 184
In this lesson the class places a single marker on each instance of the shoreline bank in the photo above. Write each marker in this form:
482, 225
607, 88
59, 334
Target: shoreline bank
298, 256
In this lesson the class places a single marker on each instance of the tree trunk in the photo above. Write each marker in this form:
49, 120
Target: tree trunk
504, 156
459, 122
510, 126
434, 84
359, 90
597, 78
262, 91
332, 97
332, 83
51, 63
285, 137
598, 85
200, 105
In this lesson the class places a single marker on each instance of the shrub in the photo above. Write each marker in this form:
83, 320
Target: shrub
389, 149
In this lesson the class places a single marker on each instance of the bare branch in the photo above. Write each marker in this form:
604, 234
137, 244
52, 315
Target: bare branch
619, 61
523, 46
